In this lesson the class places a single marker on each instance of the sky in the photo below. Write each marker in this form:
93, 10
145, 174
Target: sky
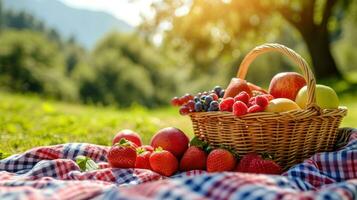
127, 10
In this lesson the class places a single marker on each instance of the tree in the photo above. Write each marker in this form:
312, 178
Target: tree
1, 15
29, 62
215, 28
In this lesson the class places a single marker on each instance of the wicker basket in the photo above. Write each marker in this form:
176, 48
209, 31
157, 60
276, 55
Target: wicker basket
289, 136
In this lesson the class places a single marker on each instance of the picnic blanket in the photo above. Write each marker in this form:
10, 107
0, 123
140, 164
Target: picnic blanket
51, 173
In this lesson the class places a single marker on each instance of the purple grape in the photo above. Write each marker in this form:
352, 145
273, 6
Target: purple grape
208, 100
221, 94
214, 106
198, 107
217, 90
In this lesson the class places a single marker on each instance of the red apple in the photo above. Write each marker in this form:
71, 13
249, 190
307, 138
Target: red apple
286, 85
236, 86
171, 139
129, 135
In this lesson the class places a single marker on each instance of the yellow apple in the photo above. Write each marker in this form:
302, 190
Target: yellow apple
326, 97
281, 105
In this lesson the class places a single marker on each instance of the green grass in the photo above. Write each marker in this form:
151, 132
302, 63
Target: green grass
28, 121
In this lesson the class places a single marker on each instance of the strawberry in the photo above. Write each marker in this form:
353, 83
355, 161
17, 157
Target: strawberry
260, 166
220, 160
163, 162
122, 154
243, 96
243, 165
143, 159
239, 108
226, 104
147, 148
254, 163
193, 158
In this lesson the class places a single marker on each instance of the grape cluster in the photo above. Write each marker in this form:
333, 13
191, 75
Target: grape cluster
202, 102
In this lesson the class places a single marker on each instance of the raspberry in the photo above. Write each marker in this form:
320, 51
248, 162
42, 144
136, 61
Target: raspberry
175, 101
261, 101
268, 96
243, 97
184, 110
191, 105
186, 98
214, 96
226, 104
255, 108
239, 108
251, 102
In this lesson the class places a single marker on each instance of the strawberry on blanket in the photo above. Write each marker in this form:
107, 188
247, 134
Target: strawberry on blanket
254, 163
122, 154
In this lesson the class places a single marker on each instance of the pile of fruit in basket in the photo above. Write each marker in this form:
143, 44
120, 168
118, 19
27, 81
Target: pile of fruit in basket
171, 151
287, 91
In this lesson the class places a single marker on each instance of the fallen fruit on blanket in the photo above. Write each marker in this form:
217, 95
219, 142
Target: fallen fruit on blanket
122, 154
163, 162
254, 163
171, 139
286, 85
326, 97
193, 159
236, 86
220, 160
129, 135
281, 105
142, 159
243, 165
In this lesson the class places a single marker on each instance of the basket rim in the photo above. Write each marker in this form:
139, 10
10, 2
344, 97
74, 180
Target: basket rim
288, 115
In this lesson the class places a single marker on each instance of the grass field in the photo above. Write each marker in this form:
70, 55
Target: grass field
28, 121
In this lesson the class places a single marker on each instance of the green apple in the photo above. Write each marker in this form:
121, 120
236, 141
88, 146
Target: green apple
326, 97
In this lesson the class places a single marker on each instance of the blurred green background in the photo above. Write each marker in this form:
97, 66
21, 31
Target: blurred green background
56, 87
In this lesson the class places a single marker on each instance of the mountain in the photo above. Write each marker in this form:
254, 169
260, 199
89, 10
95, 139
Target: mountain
86, 26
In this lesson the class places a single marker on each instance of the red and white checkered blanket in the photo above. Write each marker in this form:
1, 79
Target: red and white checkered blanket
51, 173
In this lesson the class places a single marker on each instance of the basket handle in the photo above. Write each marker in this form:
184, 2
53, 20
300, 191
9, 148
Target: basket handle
304, 67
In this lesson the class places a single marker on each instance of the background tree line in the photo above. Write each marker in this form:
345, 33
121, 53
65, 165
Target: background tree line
202, 44
121, 70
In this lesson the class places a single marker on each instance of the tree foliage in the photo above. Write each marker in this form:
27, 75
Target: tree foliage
218, 29
30, 62
126, 70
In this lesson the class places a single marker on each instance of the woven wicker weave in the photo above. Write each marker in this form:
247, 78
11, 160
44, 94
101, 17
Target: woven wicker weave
289, 136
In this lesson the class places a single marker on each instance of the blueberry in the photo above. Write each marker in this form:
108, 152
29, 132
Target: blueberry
214, 106
221, 94
217, 90
198, 107
205, 107
203, 97
196, 99
208, 100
